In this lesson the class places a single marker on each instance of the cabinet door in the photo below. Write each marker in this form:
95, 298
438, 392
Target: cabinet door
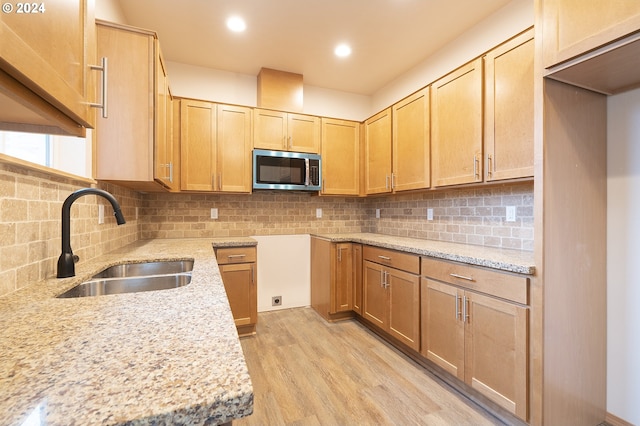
456, 120
375, 301
163, 158
50, 53
239, 283
404, 307
340, 157
357, 278
233, 149
411, 142
270, 129
378, 153
342, 286
125, 139
508, 130
197, 145
303, 133
442, 326
496, 351
573, 27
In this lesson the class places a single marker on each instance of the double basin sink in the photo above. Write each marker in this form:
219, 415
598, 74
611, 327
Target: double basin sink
133, 278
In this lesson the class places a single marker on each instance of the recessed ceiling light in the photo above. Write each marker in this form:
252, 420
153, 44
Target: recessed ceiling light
236, 24
342, 50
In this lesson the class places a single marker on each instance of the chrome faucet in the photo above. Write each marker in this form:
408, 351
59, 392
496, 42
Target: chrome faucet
66, 261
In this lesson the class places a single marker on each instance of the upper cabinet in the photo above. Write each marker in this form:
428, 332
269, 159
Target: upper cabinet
340, 157
215, 143
46, 58
456, 126
136, 132
592, 44
284, 131
411, 147
508, 111
574, 27
377, 153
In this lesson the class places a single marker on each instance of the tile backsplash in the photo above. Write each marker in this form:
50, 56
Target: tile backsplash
31, 202
30, 224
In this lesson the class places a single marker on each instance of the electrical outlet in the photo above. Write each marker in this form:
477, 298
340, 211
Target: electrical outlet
318, 213
276, 301
377, 213
214, 213
511, 213
429, 214
100, 214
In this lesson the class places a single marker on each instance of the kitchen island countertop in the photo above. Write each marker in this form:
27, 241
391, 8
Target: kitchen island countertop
161, 357
502, 259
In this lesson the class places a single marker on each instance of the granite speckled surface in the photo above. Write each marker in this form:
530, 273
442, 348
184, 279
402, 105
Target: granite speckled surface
161, 357
219, 242
517, 261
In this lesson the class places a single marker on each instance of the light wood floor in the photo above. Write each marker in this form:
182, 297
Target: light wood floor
306, 371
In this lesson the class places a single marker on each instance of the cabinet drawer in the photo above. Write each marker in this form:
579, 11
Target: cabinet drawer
395, 259
500, 284
235, 255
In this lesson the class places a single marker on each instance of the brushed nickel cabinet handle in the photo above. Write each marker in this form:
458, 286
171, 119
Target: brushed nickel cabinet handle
384, 258
104, 68
235, 256
462, 277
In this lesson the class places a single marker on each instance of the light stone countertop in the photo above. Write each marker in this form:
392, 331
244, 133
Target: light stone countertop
161, 357
503, 259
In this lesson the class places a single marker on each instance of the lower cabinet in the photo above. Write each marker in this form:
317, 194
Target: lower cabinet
238, 271
334, 277
391, 296
478, 338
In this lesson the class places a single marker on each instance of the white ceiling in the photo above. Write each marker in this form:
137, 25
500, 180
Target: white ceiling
388, 37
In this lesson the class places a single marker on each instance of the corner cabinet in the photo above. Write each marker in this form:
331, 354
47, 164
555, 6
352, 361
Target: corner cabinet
334, 277
456, 126
508, 109
475, 327
377, 153
283, 131
46, 60
215, 147
340, 157
391, 293
411, 142
238, 269
137, 132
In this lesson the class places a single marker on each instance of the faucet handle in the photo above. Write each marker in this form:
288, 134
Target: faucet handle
76, 258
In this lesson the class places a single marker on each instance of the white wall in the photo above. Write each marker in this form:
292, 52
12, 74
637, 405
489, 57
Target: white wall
623, 256
110, 10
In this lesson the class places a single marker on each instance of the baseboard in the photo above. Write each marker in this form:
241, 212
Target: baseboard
612, 420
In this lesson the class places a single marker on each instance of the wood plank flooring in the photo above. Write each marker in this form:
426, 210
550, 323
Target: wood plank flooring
306, 371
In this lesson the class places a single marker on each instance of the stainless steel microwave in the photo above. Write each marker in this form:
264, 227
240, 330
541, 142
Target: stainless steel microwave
297, 171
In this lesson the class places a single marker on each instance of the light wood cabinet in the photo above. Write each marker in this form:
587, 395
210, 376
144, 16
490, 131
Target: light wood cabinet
333, 271
411, 142
136, 133
238, 271
215, 143
391, 296
45, 67
574, 27
357, 278
456, 126
508, 111
377, 153
478, 338
340, 157
284, 131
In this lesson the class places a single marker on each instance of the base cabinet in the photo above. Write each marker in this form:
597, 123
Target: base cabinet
480, 339
391, 296
238, 271
334, 272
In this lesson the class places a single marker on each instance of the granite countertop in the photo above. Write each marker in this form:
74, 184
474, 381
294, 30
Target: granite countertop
517, 261
160, 357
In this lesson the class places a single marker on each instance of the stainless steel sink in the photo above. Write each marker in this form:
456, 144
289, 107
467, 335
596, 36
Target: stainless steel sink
134, 278
145, 269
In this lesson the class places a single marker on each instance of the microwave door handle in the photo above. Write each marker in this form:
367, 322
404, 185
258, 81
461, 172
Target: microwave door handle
306, 175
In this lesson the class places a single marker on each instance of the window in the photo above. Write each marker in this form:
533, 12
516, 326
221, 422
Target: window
66, 153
